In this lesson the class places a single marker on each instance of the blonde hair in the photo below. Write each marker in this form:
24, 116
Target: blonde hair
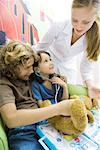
13, 54
93, 34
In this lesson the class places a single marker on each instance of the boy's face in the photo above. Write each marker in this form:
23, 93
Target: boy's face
24, 71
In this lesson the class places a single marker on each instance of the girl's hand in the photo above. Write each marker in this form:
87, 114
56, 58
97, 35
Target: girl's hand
57, 80
63, 78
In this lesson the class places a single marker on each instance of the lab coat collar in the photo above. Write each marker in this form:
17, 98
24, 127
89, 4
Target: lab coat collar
68, 28
68, 31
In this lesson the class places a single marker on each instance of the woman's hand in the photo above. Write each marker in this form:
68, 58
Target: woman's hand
93, 92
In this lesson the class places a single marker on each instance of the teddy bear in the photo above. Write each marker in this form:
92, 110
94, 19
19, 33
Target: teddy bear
89, 103
76, 123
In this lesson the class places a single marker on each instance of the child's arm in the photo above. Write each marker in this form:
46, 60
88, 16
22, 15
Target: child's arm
65, 93
9, 113
65, 88
63, 84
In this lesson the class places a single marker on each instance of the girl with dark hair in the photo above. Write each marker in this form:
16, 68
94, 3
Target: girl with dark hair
47, 86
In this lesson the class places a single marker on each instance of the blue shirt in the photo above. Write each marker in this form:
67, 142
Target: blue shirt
40, 92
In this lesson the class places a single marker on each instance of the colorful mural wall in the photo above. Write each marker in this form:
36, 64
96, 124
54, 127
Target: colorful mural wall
14, 21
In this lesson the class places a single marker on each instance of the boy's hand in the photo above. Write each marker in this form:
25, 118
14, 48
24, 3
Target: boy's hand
65, 107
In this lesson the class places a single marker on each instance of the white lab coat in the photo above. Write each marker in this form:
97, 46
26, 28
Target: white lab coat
57, 41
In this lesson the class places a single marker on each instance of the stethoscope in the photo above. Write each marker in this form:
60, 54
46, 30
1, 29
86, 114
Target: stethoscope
57, 87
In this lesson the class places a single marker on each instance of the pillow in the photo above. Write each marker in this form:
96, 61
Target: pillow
77, 90
3, 137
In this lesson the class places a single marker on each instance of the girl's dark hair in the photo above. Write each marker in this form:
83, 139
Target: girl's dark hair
40, 59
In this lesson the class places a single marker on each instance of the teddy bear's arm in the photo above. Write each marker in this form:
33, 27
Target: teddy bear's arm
44, 103
40, 103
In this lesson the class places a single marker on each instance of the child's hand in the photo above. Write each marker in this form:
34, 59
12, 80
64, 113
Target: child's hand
63, 78
65, 107
57, 80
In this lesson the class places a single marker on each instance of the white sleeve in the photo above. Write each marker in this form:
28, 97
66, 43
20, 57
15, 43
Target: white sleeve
86, 68
49, 36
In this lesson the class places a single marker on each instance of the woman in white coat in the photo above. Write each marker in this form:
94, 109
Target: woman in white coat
67, 40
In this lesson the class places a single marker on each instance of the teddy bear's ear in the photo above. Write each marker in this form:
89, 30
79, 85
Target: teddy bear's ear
90, 116
96, 103
87, 101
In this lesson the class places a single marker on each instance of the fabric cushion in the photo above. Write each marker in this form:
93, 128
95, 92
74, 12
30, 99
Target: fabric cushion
3, 137
77, 90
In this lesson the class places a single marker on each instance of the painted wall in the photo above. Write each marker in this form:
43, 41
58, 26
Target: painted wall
14, 21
